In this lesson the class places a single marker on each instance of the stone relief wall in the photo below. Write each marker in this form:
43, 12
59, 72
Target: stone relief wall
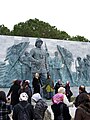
67, 60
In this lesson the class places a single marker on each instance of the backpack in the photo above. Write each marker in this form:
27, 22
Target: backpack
23, 113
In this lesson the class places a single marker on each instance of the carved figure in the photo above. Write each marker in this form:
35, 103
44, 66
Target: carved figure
57, 65
39, 61
50, 64
26, 66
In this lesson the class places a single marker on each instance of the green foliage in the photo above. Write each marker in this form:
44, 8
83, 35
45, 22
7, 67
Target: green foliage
79, 38
37, 28
4, 30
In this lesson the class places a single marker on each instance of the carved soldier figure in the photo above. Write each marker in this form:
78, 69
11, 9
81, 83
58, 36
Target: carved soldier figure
39, 61
26, 66
57, 65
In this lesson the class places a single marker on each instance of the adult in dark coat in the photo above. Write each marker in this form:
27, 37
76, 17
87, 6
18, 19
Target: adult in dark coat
5, 109
57, 85
81, 90
14, 92
25, 87
36, 83
23, 102
83, 110
56, 107
68, 91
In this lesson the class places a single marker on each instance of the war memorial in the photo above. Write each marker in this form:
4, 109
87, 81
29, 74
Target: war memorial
67, 60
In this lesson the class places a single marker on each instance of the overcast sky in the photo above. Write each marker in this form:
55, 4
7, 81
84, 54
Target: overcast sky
72, 16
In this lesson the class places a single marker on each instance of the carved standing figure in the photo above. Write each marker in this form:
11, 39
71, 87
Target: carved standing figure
39, 61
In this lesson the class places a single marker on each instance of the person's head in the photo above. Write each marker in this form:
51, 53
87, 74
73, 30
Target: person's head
36, 75
61, 90
2, 96
59, 81
57, 98
79, 58
38, 43
16, 82
26, 53
27, 81
56, 53
82, 89
68, 83
36, 97
48, 76
23, 97
88, 57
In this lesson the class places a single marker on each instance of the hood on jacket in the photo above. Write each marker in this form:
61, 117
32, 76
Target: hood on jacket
36, 97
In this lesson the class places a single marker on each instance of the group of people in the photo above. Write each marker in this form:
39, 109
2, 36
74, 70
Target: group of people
27, 103
31, 105
21, 102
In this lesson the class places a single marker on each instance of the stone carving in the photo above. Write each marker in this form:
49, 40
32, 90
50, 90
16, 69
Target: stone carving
17, 61
25, 66
39, 61
13, 67
67, 59
82, 70
50, 64
57, 67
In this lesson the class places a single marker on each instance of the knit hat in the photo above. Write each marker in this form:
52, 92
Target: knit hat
57, 98
23, 97
36, 97
61, 90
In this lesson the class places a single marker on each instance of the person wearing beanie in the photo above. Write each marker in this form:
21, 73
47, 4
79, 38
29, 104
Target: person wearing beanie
65, 99
82, 89
40, 106
59, 108
23, 104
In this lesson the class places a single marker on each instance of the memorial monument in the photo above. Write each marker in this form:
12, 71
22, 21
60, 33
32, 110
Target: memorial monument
16, 60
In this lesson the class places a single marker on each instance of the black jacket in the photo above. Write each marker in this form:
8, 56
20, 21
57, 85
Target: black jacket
56, 110
16, 110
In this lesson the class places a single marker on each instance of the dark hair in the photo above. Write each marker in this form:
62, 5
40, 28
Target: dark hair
82, 88
2, 96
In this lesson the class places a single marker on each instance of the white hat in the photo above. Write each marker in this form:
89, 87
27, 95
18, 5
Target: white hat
36, 97
61, 90
28, 81
23, 97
